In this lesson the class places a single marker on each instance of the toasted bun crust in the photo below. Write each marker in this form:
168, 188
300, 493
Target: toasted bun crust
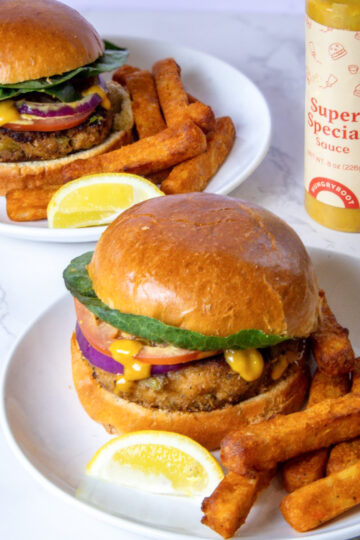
42, 38
208, 428
207, 263
44, 173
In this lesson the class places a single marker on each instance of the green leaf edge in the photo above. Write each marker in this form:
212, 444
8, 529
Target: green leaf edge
78, 282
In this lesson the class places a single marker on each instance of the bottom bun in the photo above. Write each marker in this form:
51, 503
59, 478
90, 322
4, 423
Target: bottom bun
30, 174
208, 428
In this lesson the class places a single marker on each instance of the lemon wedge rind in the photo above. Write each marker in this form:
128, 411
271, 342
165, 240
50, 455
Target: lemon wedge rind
97, 199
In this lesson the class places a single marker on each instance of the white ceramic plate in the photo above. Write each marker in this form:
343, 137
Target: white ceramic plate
40, 410
213, 81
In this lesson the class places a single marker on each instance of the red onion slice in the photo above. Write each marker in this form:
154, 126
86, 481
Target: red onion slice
50, 110
161, 370
107, 363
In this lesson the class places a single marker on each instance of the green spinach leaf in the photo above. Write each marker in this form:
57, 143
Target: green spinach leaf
60, 86
78, 282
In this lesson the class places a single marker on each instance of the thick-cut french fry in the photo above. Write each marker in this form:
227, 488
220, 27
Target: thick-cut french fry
123, 72
152, 154
29, 204
324, 387
261, 446
306, 468
174, 100
355, 386
343, 455
322, 500
347, 453
202, 115
229, 505
145, 103
195, 174
172, 96
330, 344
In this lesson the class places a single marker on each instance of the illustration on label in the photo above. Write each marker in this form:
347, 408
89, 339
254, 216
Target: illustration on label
337, 51
332, 123
332, 79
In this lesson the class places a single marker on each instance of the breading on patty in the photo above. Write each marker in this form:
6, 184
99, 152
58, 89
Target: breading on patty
203, 385
42, 145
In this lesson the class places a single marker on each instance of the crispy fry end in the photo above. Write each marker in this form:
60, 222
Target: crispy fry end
174, 100
324, 387
343, 455
304, 469
228, 507
29, 204
330, 344
355, 381
123, 72
317, 503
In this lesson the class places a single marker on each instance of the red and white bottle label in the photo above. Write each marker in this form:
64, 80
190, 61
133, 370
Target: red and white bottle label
332, 115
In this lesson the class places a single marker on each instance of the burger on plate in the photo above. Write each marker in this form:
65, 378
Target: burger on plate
54, 104
192, 316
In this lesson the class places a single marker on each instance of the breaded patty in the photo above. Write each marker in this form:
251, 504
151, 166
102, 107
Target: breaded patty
41, 145
203, 385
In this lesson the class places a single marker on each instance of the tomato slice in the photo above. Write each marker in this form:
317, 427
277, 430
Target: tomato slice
100, 335
51, 124
167, 356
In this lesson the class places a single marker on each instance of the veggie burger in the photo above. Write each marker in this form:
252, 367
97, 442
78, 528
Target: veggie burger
192, 316
54, 104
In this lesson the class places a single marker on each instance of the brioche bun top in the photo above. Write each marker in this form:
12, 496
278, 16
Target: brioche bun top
207, 263
42, 38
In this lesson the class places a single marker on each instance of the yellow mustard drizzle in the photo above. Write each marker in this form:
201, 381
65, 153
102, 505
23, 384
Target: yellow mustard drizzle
8, 112
248, 363
96, 89
122, 385
123, 351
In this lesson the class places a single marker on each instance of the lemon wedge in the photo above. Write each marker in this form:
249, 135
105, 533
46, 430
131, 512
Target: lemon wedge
97, 199
159, 462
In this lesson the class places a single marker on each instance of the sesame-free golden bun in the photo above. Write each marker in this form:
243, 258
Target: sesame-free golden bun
42, 38
207, 263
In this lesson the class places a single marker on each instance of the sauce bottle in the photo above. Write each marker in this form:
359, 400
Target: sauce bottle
332, 113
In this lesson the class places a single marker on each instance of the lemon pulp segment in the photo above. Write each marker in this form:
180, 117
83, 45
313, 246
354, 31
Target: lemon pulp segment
159, 462
97, 199
185, 474
86, 206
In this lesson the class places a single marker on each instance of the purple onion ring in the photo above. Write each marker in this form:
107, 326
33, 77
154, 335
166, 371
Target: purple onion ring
50, 110
107, 363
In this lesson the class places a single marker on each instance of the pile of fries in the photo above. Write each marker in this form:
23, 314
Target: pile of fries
176, 142
317, 450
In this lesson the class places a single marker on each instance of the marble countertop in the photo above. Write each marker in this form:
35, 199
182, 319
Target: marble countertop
267, 48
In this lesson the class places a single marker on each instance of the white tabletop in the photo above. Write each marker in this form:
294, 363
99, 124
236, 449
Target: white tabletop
267, 48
